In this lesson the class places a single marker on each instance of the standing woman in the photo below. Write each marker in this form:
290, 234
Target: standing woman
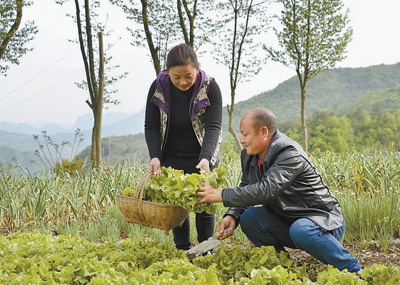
183, 127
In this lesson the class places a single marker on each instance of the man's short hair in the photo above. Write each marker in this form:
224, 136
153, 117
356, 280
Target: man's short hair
264, 117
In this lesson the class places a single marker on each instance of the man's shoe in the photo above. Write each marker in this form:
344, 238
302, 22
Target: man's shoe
359, 272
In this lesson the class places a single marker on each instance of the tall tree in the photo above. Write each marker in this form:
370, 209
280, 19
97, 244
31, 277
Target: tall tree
95, 70
312, 38
95, 83
242, 22
158, 28
165, 23
13, 38
196, 22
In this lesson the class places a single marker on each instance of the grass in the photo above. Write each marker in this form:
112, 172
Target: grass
367, 186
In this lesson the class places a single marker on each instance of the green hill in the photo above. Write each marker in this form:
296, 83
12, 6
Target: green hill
338, 90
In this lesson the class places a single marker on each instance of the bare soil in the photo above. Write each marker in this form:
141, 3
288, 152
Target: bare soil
367, 257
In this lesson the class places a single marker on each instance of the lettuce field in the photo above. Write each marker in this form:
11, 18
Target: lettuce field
66, 229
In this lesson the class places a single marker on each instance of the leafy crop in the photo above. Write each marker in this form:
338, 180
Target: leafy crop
174, 187
236, 263
35, 258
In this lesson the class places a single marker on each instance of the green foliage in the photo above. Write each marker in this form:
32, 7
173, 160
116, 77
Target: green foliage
365, 184
367, 187
277, 275
359, 130
380, 274
174, 187
70, 167
13, 37
377, 100
333, 276
235, 263
129, 191
313, 36
34, 258
328, 132
48, 199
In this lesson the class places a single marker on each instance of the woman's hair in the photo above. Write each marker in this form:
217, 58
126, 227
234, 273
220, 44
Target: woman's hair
182, 54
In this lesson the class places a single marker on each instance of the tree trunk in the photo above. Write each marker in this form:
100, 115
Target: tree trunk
97, 108
153, 49
231, 128
95, 86
96, 155
303, 83
303, 117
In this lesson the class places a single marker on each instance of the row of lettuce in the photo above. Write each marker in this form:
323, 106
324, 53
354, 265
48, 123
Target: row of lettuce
37, 258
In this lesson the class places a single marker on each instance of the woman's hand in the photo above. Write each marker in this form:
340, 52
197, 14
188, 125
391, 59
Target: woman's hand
155, 166
204, 164
209, 194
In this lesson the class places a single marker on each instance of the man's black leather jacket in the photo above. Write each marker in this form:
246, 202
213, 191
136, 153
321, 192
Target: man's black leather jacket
290, 186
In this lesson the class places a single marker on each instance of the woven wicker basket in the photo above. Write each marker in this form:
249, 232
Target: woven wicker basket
160, 216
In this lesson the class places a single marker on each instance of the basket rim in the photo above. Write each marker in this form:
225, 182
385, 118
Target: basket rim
120, 196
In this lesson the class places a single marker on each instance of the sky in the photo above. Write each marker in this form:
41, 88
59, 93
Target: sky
42, 88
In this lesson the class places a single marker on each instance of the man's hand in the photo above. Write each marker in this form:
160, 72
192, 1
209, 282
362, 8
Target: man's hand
209, 194
226, 227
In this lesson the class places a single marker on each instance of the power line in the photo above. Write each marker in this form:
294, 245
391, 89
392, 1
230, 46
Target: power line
40, 92
40, 73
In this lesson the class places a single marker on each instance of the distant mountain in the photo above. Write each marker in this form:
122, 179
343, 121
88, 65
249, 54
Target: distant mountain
30, 129
113, 124
15, 159
130, 125
20, 142
20, 138
338, 90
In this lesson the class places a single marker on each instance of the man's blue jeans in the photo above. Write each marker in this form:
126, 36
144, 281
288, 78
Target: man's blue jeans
264, 228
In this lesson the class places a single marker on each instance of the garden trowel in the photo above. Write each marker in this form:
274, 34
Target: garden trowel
204, 246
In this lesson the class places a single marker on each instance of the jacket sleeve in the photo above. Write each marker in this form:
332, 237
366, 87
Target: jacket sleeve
212, 122
152, 125
285, 168
235, 212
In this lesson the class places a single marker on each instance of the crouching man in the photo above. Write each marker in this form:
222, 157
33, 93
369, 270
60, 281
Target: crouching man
298, 209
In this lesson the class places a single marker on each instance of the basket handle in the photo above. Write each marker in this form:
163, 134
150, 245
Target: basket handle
141, 185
